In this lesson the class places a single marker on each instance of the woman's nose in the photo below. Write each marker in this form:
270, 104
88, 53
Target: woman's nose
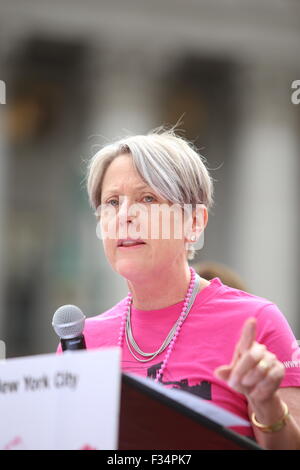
124, 212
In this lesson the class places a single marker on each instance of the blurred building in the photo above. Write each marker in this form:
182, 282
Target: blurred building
80, 73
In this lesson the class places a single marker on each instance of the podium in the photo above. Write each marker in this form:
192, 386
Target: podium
83, 401
150, 419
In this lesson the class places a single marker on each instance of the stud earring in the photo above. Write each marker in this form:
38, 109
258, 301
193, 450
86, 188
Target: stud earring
193, 238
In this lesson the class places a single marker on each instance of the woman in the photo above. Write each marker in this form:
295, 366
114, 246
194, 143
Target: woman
227, 346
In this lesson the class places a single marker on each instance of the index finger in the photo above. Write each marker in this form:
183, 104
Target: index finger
246, 339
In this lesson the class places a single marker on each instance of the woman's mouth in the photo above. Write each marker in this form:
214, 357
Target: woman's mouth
130, 243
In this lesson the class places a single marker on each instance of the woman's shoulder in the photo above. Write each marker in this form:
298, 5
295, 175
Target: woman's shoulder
226, 298
102, 329
112, 313
242, 304
235, 306
237, 295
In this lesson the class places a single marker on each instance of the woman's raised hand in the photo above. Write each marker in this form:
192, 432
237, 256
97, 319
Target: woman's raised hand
254, 370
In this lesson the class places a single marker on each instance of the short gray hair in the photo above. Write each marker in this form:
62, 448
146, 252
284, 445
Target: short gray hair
166, 162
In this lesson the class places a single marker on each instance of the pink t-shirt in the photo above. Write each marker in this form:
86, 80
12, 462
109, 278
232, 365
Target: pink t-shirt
207, 340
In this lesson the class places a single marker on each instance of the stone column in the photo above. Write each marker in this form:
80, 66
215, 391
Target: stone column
265, 197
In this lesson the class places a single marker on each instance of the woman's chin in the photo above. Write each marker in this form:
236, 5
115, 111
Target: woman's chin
131, 269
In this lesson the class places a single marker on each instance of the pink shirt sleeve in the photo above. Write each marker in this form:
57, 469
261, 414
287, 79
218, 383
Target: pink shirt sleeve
274, 331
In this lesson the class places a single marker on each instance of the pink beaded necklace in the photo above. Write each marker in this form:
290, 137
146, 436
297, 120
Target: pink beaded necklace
187, 304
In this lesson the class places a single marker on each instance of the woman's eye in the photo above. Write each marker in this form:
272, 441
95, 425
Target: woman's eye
151, 197
112, 200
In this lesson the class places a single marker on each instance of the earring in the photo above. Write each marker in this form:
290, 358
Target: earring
193, 238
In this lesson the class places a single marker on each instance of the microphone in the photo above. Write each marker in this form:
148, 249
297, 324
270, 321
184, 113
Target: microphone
68, 323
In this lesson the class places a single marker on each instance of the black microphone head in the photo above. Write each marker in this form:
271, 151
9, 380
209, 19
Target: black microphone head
68, 321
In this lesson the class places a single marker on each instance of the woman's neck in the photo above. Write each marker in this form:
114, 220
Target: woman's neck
160, 290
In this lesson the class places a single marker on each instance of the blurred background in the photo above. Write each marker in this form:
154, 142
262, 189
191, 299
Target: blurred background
80, 73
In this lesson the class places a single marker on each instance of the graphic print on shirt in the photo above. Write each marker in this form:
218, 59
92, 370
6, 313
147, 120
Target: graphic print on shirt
202, 389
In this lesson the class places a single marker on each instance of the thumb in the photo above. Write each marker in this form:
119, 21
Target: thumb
223, 372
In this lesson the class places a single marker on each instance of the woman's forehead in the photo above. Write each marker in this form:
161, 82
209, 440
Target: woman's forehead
122, 177
120, 169
119, 187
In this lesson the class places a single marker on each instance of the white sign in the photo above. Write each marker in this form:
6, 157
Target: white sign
61, 401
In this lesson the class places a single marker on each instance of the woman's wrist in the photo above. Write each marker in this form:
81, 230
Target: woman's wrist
270, 411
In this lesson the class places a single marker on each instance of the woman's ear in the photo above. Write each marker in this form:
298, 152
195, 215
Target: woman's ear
195, 224
200, 219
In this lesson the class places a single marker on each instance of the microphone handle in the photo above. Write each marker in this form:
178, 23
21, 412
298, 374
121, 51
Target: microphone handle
73, 344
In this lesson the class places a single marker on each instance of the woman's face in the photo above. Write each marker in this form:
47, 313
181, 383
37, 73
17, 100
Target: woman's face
130, 209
